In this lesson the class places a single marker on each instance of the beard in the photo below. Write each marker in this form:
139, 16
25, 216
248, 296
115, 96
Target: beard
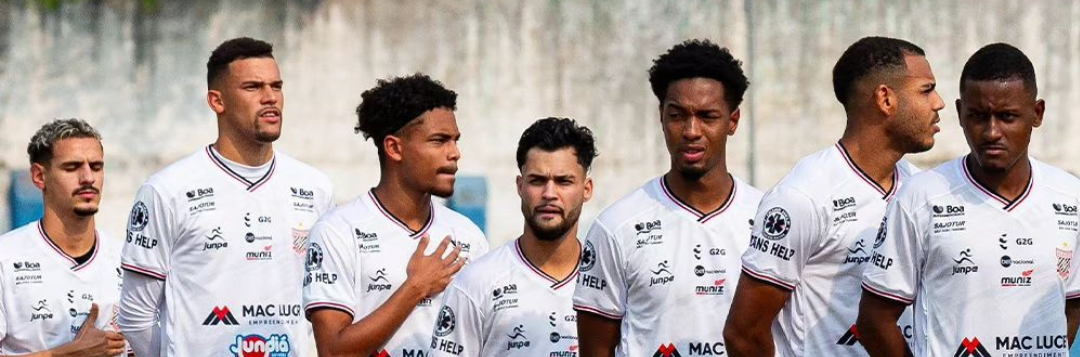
548, 232
691, 173
85, 211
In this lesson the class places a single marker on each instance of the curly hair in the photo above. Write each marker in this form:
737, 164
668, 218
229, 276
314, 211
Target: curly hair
396, 102
234, 50
41, 144
699, 59
869, 56
999, 61
551, 134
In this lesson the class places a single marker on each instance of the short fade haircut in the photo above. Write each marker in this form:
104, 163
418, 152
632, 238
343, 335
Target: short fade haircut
999, 61
234, 50
42, 143
396, 102
869, 56
699, 59
551, 134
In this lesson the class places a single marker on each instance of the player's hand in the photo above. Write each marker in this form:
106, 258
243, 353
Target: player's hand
93, 342
430, 274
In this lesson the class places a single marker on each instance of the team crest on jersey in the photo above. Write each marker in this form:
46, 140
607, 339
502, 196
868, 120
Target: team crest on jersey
138, 218
446, 322
1064, 260
971, 348
300, 240
882, 231
667, 350
777, 223
314, 257
277, 345
588, 257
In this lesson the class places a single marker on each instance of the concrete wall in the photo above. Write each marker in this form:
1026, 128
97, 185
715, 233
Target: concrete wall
138, 73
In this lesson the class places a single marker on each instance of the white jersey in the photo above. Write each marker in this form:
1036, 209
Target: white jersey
503, 305
988, 276
231, 252
812, 236
45, 295
665, 269
357, 259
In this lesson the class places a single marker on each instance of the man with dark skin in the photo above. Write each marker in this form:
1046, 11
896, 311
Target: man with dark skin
653, 276
801, 279
938, 243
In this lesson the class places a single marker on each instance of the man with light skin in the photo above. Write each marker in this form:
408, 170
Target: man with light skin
517, 301
216, 241
60, 276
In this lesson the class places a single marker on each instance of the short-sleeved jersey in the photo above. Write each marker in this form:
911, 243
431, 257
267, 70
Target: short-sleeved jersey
665, 269
813, 235
231, 252
357, 259
503, 305
988, 276
45, 295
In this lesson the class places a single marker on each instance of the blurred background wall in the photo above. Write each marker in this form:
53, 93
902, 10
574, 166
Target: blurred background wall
136, 70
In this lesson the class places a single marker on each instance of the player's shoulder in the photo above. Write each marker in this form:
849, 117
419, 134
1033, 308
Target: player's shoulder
111, 246
461, 224
1056, 179
816, 175
625, 210
944, 179
349, 214
480, 274
747, 196
16, 242
301, 170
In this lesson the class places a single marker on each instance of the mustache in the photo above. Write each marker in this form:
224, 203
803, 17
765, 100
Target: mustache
86, 188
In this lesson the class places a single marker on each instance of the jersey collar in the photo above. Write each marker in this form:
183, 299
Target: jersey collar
701, 217
885, 195
1008, 205
555, 283
412, 234
75, 266
251, 185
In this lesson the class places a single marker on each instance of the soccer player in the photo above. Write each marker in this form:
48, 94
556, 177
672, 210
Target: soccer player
983, 244
372, 274
802, 274
518, 300
216, 241
660, 264
60, 276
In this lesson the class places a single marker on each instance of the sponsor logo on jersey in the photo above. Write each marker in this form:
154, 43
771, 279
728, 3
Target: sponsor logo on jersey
220, 315
706, 349
1028, 343
200, 193
846, 217
857, 253
254, 345
712, 251
517, 339
1023, 280
649, 233
364, 236
272, 314
667, 350
964, 264
139, 217
951, 226
971, 348
251, 237
302, 193
883, 230
215, 240
314, 257
41, 311
366, 248
1064, 260
1070, 225
266, 253
850, 338
592, 282
379, 282
465, 246
1007, 261
647, 227
141, 240
840, 204
26, 266
777, 223
772, 248
444, 326
501, 292
196, 203
700, 270
716, 288
1063, 209
661, 275
248, 221
588, 257
947, 211
28, 279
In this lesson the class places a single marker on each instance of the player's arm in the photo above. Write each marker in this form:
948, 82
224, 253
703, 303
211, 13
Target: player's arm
428, 275
89, 342
464, 336
748, 331
1072, 316
786, 228
598, 335
877, 326
890, 282
145, 259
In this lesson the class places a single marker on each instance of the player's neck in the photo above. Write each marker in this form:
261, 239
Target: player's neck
705, 193
1008, 184
412, 207
557, 258
244, 152
874, 156
73, 234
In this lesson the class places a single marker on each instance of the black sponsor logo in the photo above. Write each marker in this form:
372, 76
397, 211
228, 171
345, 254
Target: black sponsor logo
948, 211
952, 226
850, 338
446, 322
251, 237
41, 311
302, 193
857, 253
26, 266
1023, 280
220, 315
661, 275
592, 282
588, 257
216, 240
651, 231
706, 349
465, 247
846, 217
1063, 209
501, 292
1003, 242
28, 279
140, 240
700, 270
697, 252
712, 251
1027, 343
314, 257
667, 350
139, 217
716, 288
270, 314
379, 282
647, 227
964, 265
777, 223
408, 352
445, 345
772, 248
883, 230
364, 236
260, 219
843, 203
370, 248
200, 193
517, 339
971, 348
1007, 261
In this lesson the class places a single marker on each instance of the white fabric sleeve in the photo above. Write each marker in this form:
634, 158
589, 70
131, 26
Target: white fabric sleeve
331, 269
150, 234
787, 231
139, 301
602, 285
467, 333
896, 266
3, 310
